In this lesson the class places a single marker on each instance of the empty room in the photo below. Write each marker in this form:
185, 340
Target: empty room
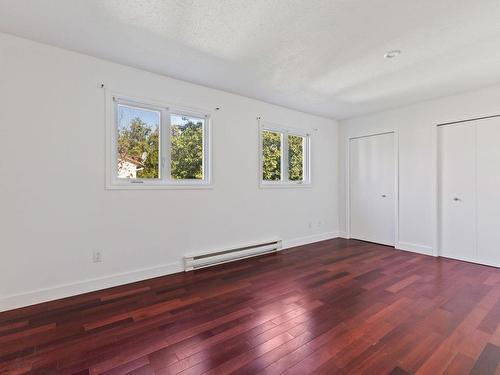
250, 187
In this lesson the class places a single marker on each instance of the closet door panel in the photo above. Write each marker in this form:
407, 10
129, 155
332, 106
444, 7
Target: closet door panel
488, 191
457, 191
372, 193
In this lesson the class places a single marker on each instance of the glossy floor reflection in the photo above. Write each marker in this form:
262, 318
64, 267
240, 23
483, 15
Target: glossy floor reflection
333, 307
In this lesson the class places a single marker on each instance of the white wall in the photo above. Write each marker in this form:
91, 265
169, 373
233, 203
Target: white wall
55, 211
416, 128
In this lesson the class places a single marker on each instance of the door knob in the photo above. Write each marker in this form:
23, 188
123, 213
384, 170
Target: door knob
383, 195
456, 199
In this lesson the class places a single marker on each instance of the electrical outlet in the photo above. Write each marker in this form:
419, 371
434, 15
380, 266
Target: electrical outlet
97, 256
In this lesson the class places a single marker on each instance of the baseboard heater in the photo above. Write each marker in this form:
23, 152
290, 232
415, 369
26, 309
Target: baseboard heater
207, 259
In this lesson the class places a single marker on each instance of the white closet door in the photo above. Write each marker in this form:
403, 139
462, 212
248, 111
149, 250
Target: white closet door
371, 188
457, 191
488, 191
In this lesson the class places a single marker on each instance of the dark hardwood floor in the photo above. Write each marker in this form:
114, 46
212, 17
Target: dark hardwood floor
334, 307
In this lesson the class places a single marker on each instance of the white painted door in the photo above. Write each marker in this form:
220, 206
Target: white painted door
457, 191
488, 191
372, 188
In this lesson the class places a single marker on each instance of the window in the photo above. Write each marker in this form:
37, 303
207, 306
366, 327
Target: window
186, 147
157, 146
272, 146
284, 156
138, 142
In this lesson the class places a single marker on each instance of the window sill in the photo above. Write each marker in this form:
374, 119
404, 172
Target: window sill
284, 185
136, 186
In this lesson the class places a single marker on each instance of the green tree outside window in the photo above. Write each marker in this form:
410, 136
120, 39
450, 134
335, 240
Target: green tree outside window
295, 158
271, 156
139, 141
187, 151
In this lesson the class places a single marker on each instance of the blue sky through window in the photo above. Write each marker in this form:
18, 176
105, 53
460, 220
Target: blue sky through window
126, 114
183, 120
152, 118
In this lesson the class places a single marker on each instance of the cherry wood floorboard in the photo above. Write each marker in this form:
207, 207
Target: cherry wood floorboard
333, 307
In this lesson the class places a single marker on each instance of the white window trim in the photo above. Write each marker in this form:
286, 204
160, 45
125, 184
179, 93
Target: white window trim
285, 131
115, 183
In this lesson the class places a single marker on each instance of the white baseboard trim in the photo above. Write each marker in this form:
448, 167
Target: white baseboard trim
471, 260
72, 289
414, 248
343, 234
299, 241
91, 285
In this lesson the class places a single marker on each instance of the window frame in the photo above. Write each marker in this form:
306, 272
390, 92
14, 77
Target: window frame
166, 110
285, 182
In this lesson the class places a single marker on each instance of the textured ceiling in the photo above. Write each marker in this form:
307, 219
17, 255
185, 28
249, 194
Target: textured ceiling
318, 56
